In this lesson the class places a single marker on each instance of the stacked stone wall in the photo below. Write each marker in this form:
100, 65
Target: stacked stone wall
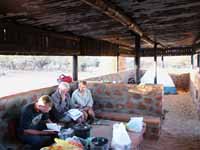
195, 90
119, 77
181, 81
126, 98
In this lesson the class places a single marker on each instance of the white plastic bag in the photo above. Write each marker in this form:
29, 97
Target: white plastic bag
120, 139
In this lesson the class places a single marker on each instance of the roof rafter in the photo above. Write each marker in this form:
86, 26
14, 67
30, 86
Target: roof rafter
18, 39
111, 11
172, 51
196, 40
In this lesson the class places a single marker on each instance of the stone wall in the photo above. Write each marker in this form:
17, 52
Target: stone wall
109, 97
195, 90
181, 81
10, 108
126, 98
119, 77
122, 63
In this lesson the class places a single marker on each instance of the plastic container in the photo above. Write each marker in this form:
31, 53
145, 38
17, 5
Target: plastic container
82, 130
66, 133
99, 143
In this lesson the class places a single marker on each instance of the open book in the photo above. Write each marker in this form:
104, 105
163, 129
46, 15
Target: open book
75, 114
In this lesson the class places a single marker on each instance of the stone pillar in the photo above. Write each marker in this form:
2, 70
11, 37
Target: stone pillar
121, 63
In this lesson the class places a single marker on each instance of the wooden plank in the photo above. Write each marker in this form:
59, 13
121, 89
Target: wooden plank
91, 47
196, 48
119, 16
28, 40
155, 61
174, 51
75, 67
126, 51
137, 58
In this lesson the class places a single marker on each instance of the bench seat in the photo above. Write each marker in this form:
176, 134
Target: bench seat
153, 124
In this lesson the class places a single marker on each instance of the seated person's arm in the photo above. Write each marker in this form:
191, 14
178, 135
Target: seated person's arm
86, 108
49, 121
73, 102
38, 132
89, 103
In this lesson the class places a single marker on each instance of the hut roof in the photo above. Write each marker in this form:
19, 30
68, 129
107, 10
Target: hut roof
169, 23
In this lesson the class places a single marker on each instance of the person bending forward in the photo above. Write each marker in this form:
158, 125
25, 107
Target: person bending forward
33, 119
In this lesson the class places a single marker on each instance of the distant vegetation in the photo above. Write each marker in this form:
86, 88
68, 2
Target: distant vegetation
33, 63
44, 63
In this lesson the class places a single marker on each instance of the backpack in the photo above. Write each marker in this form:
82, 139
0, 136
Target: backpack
64, 78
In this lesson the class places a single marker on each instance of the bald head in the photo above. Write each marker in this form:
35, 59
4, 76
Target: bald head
63, 89
64, 85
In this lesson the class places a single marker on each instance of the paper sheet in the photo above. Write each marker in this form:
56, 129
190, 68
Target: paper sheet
53, 127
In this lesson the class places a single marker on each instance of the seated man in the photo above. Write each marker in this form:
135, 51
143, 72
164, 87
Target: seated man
61, 101
82, 99
33, 121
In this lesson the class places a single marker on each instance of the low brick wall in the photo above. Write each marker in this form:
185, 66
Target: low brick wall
10, 108
195, 90
120, 102
121, 77
122, 98
126, 98
181, 81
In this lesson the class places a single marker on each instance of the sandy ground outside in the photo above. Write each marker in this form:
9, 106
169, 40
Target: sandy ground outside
21, 81
181, 127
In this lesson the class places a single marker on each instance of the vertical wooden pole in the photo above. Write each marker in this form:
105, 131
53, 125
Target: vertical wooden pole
117, 63
192, 61
75, 67
137, 59
4, 34
155, 61
198, 61
162, 59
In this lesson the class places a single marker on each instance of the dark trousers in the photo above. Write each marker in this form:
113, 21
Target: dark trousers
37, 141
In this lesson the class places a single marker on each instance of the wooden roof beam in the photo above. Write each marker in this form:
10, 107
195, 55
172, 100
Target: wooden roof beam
196, 40
172, 51
111, 11
17, 39
196, 48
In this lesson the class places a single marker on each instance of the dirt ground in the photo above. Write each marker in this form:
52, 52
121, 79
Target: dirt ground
181, 127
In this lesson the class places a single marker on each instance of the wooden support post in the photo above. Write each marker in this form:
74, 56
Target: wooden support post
137, 59
155, 61
75, 67
192, 61
198, 61
162, 59
117, 63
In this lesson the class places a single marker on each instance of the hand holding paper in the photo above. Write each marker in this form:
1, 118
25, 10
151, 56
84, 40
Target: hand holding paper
53, 127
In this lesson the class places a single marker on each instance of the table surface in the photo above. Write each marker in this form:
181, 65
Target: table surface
104, 128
